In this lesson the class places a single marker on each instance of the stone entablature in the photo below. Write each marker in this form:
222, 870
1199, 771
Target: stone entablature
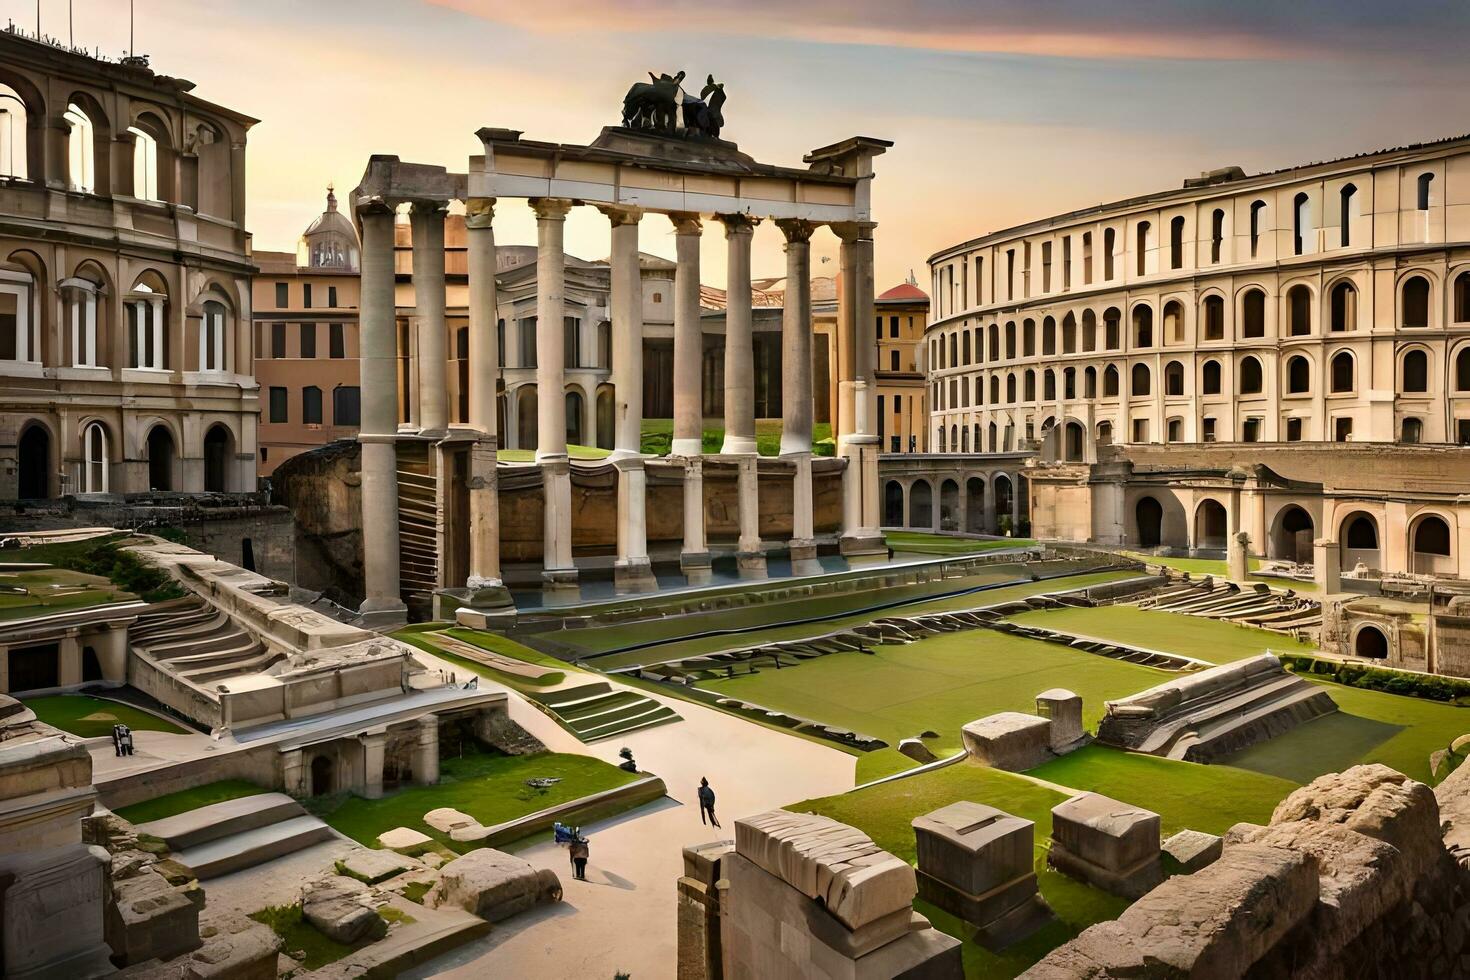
1323, 303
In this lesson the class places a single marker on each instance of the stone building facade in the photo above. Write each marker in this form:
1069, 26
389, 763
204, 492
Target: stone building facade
124, 281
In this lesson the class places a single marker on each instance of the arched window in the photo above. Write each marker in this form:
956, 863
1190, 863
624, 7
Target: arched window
1011, 339
1112, 336
1426, 184
212, 334
965, 440
994, 389
1030, 385
1011, 388
1302, 223
965, 347
1174, 379
1462, 297
954, 438
1298, 376
1110, 240
1048, 336
1258, 219
1173, 322
994, 331
1361, 534
1110, 382
14, 123
1347, 208
1299, 311
1214, 318
1069, 334
1412, 431
994, 438
1028, 338
1344, 307
954, 360
1104, 433
1462, 370
1175, 431
1176, 243
1217, 234
1143, 326
1069, 384
1141, 381
1416, 372
1250, 376
1144, 229
145, 164
1089, 382
1209, 382
1416, 302
1253, 314
1049, 385
80, 152
1089, 331
148, 340
311, 405
1432, 537
80, 297
1342, 373
94, 458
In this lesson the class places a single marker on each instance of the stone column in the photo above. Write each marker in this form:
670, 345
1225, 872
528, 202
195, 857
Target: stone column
694, 557
69, 661
426, 752
373, 746
484, 583
378, 363
551, 442
1327, 566
856, 353
740, 393
426, 220
688, 338
631, 571
796, 390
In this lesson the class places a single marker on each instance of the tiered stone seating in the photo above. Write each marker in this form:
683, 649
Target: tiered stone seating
196, 642
236, 834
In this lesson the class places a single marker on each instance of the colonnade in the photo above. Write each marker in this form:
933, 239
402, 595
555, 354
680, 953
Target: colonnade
428, 190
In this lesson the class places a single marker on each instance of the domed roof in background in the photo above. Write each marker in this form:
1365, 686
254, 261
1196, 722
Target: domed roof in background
905, 291
330, 242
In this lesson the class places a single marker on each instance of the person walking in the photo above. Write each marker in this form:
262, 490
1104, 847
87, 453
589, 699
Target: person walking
579, 853
706, 802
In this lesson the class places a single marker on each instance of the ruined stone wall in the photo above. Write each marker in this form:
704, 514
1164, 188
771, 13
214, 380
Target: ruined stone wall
1353, 877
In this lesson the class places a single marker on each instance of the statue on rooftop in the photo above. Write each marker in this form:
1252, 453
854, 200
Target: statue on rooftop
652, 105
703, 115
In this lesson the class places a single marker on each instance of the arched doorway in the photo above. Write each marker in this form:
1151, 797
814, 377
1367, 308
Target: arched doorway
1000, 499
1429, 540
526, 417
921, 505
1292, 538
1210, 526
949, 506
1075, 441
975, 505
1359, 541
605, 416
321, 776
574, 418
1371, 643
1149, 514
893, 504
160, 458
218, 448
33, 453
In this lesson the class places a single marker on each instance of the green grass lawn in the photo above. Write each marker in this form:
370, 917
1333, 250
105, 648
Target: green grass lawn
424, 640
1194, 636
189, 799
658, 437
939, 683
89, 717
1370, 726
50, 590
300, 936
488, 786
919, 543
1218, 568
529, 455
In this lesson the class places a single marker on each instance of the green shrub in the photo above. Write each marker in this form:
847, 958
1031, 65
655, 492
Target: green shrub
126, 571
1387, 680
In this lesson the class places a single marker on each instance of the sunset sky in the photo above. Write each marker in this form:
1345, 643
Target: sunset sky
1000, 111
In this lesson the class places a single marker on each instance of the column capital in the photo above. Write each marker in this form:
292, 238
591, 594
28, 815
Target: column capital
550, 208
685, 222
366, 206
619, 214
428, 209
479, 212
796, 230
852, 231
738, 224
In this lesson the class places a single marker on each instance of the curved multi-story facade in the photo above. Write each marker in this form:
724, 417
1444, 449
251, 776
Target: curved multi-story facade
1323, 303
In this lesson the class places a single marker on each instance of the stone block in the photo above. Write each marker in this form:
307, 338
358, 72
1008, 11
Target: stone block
150, 919
493, 885
1194, 849
405, 840
1064, 710
1009, 740
916, 749
374, 866
240, 949
342, 909
446, 819
702, 861
1113, 846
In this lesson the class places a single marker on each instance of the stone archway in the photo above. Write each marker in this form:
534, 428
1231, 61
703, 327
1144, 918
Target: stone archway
893, 504
1370, 643
1000, 499
1292, 536
219, 447
921, 505
1359, 542
160, 458
1210, 526
33, 454
975, 505
1149, 515
949, 506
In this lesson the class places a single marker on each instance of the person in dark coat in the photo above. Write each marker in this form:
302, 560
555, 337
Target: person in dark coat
706, 802
579, 853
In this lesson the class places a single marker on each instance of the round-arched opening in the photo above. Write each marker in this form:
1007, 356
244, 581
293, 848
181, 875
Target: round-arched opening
949, 506
160, 458
893, 504
574, 410
1001, 499
921, 505
1370, 643
1291, 540
33, 456
975, 505
1210, 526
1075, 441
605, 415
321, 776
1430, 542
1359, 537
1149, 515
218, 448
94, 458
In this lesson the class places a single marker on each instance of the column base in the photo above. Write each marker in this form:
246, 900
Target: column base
686, 447
738, 445
751, 564
559, 578
382, 616
490, 598
634, 575
696, 567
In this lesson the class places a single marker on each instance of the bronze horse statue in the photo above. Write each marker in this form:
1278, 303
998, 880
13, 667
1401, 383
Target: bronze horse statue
703, 115
651, 104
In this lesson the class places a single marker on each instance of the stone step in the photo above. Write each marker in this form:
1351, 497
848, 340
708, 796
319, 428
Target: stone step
251, 847
1218, 716
207, 823
1227, 735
